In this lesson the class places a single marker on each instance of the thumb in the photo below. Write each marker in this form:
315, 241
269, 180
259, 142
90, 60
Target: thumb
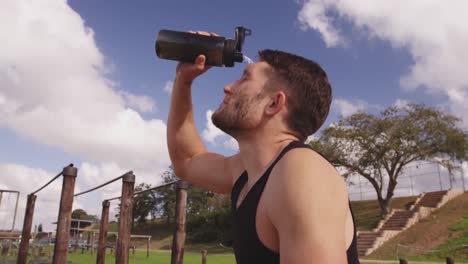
200, 61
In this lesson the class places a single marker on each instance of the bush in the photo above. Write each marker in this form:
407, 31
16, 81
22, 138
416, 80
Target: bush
210, 227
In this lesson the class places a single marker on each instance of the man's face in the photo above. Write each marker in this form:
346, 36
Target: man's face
244, 101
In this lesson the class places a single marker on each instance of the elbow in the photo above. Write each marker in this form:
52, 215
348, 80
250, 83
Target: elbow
179, 171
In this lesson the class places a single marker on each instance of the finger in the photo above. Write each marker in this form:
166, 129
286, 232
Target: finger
200, 60
193, 32
203, 33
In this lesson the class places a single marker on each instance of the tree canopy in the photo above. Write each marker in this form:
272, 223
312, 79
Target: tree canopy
82, 215
378, 146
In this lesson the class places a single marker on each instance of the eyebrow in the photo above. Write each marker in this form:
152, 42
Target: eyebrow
246, 72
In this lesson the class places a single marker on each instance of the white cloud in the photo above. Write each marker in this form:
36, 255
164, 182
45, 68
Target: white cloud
348, 107
168, 87
231, 144
435, 34
57, 91
142, 103
401, 103
313, 15
211, 132
27, 180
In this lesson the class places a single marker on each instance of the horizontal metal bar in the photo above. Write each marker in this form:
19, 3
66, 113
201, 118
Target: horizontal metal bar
58, 175
102, 185
145, 191
9, 191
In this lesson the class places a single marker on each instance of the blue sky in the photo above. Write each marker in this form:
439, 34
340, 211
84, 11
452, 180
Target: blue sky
80, 81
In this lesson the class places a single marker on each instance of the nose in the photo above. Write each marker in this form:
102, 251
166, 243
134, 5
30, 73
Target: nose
228, 88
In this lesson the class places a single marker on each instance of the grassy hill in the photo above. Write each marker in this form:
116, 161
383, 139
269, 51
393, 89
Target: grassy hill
444, 233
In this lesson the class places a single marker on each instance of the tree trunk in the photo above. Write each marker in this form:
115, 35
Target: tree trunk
384, 206
385, 203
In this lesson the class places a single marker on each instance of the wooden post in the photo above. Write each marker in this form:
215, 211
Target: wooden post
101, 250
449, 260
64, 217
88, 241
75, 237
26, 234
92, 243
125, 219
147, 247
16, 209
178, 241
204, 256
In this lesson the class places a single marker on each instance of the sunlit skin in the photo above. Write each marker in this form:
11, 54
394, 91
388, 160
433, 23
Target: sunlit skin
243, 100
303, 212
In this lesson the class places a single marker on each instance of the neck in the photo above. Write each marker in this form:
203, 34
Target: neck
258, 151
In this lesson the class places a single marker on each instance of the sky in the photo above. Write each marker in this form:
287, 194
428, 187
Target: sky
80, 82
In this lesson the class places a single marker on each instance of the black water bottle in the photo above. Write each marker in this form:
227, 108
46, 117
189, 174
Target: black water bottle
186, 47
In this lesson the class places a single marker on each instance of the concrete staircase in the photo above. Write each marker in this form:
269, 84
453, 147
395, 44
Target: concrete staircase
365, 241
398, 220
431, 200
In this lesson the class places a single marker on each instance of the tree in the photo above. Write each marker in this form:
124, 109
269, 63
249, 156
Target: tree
39, 228
212, 224
82, 215
199, 201
79, 214
379, 146
143, 204
166, 197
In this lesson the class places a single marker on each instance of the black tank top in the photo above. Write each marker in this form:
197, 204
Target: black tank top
247, 246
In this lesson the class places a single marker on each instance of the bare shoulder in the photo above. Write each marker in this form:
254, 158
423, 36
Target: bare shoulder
307, 166
305, 178
308, 208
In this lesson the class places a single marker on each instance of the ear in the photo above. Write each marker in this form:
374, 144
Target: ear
278, 101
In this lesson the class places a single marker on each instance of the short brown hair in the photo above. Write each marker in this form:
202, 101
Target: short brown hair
307, 87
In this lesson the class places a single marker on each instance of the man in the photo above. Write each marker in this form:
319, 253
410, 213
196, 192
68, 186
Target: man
289, 204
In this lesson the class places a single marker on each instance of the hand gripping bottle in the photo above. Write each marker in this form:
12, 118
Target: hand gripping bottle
185, 47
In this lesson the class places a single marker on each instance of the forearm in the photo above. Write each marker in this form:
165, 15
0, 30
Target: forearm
183, 139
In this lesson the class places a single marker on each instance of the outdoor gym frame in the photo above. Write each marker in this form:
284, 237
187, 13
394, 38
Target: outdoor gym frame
179, 233
125, 219
16, 206
69, 174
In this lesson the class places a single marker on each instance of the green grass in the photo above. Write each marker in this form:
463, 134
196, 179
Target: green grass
462, 225
155, 257
140, 257
444, 233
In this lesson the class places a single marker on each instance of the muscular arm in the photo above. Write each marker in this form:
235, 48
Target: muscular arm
190, 159
310, 211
